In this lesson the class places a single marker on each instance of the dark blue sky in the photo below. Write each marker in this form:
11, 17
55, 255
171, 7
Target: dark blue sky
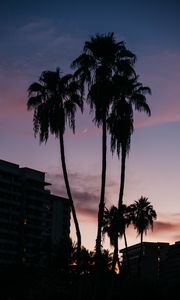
147, 23
50, 33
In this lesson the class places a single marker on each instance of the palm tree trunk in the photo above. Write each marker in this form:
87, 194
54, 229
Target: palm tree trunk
114, 261
140, 257
115, 255
66, 180
127, 255
102, 196
121, 193
123, 165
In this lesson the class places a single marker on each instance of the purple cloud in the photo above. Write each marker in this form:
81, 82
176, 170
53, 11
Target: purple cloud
85, 190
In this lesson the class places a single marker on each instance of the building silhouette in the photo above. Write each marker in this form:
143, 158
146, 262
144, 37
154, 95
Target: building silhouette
170, 268
153, 255
31, 218
160, 263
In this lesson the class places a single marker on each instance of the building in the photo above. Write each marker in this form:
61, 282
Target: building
60, 220
171, 266
153, 256
31, 219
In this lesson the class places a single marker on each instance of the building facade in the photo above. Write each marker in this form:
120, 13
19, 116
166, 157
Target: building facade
170, 275
153, 256
31, 219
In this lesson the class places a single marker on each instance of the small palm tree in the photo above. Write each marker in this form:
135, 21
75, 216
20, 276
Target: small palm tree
142, 216
55, 99
96, 66
114, 225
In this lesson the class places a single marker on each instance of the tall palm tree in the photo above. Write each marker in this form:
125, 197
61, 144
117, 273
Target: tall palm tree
129, 94
143, 216
96, 66
55, 99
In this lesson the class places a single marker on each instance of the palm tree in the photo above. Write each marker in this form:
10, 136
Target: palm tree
96, 66
120, 125
142, 216
114, 225
129, 94
55, 99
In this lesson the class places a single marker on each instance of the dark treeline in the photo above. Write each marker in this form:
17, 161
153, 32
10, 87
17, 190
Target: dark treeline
60, 279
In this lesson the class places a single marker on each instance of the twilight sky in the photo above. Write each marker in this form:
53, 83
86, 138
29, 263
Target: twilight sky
41, 35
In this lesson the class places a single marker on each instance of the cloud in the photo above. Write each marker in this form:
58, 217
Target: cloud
85, 191
162, 226
48, 30
37, 31
176, 238
34, 26
87, 214
166, 228
48, 44
174, 227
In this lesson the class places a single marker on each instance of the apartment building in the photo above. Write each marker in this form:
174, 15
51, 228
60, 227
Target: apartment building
153, 256
31, 218
171, 266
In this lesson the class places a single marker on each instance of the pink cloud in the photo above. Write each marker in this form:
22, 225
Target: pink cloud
158, 119
163, 226
87, 214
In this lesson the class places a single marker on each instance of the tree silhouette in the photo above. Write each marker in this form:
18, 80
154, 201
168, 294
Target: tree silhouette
114, 225
55, 99
142, 216
96, 66
111, 228
129, 94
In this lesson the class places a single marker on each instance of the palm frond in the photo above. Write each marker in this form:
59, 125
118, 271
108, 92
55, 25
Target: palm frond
34, 101
142, 215
35, 87
140, 104
54, 100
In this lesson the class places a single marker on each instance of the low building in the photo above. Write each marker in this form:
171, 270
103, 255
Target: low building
31, 219
153, 254
171, 266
